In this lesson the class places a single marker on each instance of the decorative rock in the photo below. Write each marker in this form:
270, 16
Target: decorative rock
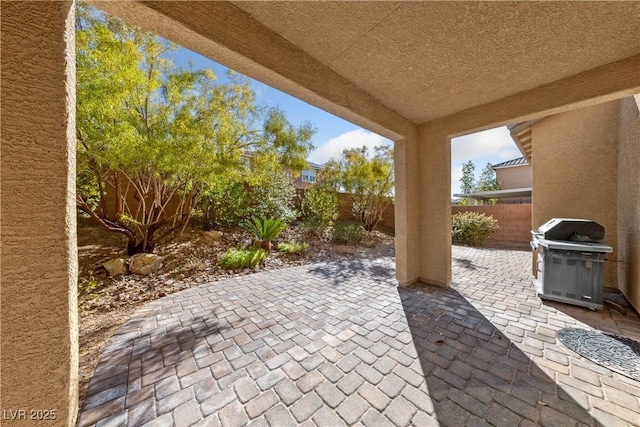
145, 264
213, 235
116, 266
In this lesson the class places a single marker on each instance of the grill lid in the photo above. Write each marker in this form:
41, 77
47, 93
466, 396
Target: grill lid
572, 229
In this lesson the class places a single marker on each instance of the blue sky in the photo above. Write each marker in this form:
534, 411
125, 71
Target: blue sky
334, 134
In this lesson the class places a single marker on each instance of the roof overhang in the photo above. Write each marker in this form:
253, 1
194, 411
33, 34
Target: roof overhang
389, 66
521, 135
498, 194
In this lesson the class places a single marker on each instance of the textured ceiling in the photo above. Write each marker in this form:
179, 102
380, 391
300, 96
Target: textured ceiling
429, 59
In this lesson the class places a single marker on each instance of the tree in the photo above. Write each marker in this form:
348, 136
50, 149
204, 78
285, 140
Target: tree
467, 181
488, 180
156, 136
368, 182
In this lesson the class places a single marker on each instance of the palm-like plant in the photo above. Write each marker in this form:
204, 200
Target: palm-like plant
265, 230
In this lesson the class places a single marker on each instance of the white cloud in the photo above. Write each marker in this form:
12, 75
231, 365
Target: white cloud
494, 142
491, 146
456, 174
352, 139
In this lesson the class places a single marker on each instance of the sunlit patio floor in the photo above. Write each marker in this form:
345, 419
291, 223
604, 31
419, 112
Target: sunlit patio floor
341, 344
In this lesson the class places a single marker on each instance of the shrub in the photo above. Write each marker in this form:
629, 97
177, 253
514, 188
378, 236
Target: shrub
87, 286
265, 229
293, 247
347, 234
231, 199
273, 197
472, 228
234, 258
320, 205
224, 203
313, 228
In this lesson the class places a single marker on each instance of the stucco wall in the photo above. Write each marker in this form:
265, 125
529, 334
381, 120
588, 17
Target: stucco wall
575, 160
514, 220
433, 197
629, 200
39, 354
514, 177
408, 226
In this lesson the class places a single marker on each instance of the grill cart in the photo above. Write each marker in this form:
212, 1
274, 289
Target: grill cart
570, 264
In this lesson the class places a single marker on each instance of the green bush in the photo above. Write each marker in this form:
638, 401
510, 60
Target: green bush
312, 228
347, 234
224, 204
472, 228
320, 205
231, 199
293, 247
87, 286
234, 259
273, 197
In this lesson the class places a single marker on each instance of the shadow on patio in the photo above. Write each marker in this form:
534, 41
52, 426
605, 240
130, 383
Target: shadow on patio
475, 374
340, 344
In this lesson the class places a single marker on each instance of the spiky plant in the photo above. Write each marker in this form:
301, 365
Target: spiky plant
265, 230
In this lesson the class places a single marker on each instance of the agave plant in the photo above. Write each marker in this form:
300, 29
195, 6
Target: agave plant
265, 230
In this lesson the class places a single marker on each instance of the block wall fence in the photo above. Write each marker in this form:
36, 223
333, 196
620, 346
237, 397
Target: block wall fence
514, 220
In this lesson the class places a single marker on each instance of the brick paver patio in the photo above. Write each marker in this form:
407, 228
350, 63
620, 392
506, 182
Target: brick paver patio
340, 344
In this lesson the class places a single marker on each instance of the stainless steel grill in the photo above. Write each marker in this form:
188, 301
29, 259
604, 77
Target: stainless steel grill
570, 261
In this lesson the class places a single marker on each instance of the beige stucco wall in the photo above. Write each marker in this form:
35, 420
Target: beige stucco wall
514, 177
629, 200
433, 197
39, 346
575, 160
407, 214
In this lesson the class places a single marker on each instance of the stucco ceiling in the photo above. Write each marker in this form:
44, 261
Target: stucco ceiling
389, 66
429, 59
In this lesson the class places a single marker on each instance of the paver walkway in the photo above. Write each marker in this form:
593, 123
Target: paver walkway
341, 344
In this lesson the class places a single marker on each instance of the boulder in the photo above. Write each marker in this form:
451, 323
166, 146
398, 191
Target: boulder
145, 264
213, 235
116, 266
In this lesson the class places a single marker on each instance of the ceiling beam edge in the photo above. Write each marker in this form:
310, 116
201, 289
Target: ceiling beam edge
227, 34
602, 84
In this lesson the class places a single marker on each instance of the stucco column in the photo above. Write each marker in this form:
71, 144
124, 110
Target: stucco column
628, 250
39, 345
434, 198
407, 226
423, 207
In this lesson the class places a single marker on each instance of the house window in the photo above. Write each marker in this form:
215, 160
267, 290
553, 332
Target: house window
309, 175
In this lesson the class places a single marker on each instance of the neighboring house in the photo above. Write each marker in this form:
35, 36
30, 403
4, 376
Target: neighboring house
308, 176
514, 177
515, 173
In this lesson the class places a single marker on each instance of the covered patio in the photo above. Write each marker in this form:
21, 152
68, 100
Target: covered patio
418, 73
340, 344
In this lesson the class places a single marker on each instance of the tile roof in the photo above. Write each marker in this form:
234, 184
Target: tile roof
513, 162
